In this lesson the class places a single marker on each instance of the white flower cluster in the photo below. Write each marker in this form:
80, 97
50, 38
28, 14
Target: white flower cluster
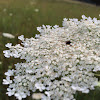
58, 62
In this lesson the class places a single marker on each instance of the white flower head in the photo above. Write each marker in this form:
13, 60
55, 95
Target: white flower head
36, 10
96, 68
58, 62
84, 17
20, 95
8, 35
8, 45
39, 86
21, 37
9, 73
10, 91
7, 80
37, 35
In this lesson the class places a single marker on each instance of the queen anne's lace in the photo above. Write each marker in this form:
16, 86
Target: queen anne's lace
59, 61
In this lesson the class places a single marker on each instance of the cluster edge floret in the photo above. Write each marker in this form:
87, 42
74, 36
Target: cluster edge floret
58, 62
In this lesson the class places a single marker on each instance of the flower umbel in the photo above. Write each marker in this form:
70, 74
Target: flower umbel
59, 61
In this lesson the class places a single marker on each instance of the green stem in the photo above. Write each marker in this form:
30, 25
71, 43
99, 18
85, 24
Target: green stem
97, 74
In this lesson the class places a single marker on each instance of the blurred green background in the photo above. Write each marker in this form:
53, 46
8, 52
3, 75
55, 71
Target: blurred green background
19, 17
